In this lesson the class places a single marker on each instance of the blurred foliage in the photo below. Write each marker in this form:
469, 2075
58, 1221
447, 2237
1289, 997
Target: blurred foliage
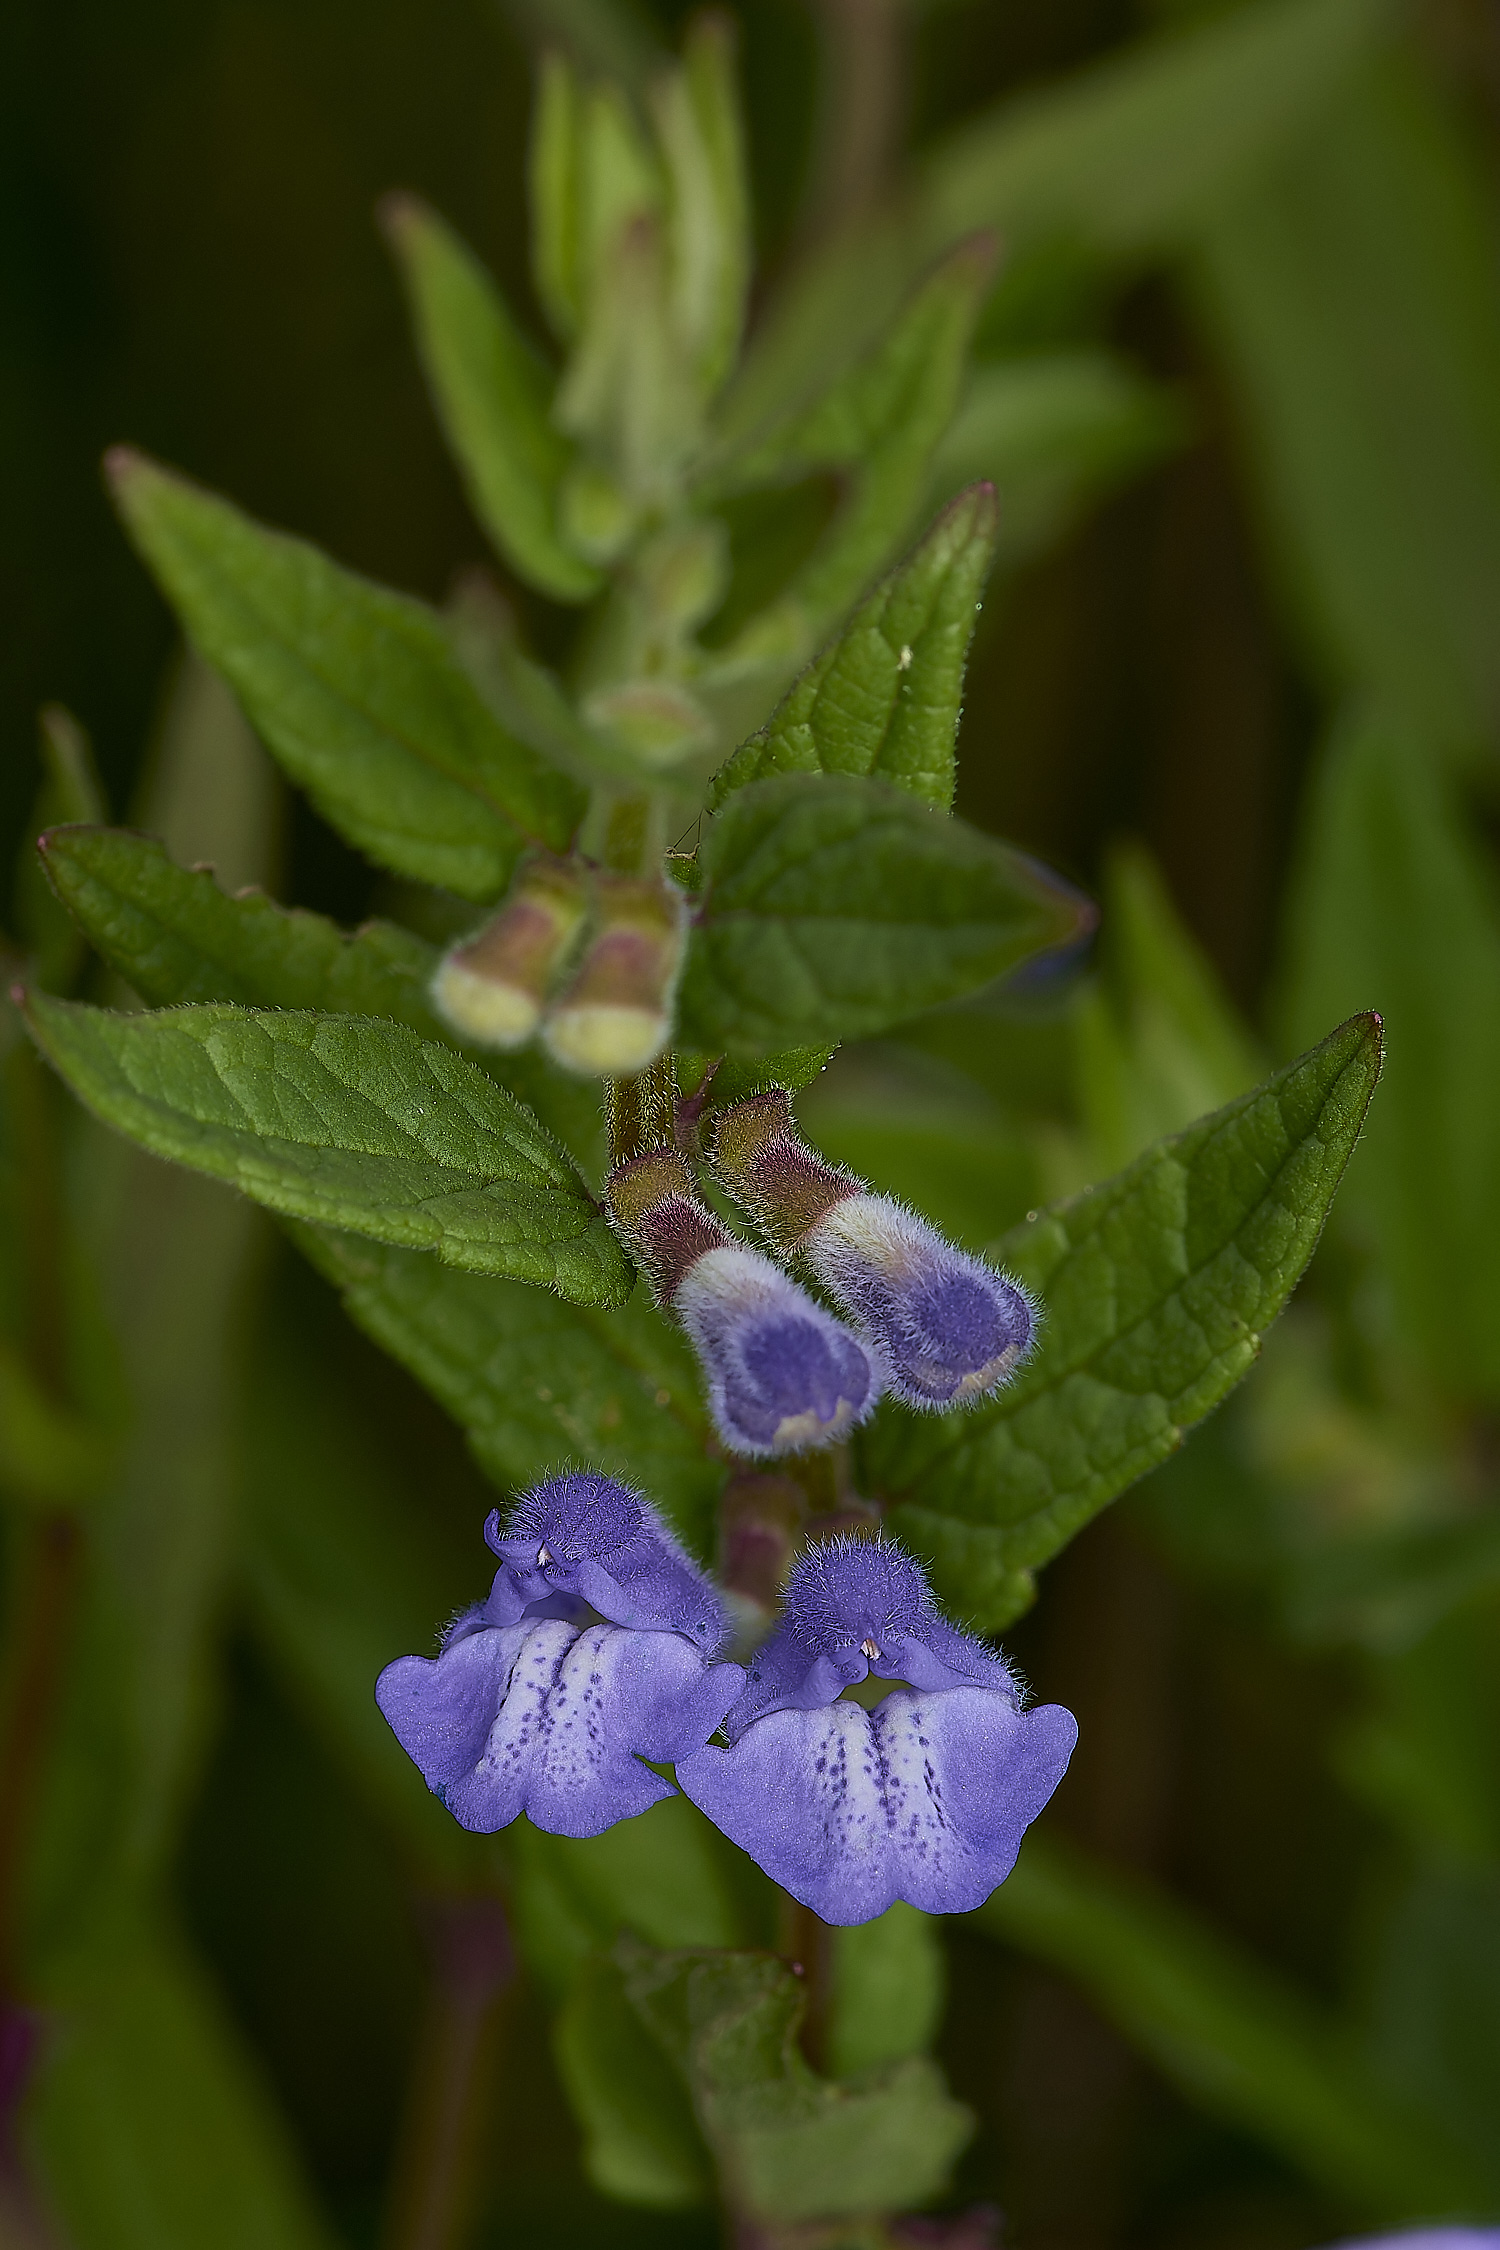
1237, 378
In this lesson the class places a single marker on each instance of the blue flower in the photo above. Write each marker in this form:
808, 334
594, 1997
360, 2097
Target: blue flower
1429, 2238
782, 1373
924, 1798
584, 1537
948, 1327
538, 1706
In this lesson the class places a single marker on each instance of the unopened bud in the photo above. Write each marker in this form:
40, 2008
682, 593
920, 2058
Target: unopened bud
761, 1160
615, 1016
782, 1373
947, 1328
492, 989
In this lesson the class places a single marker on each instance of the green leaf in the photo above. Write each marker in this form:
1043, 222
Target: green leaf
1124, 157
885, 695
668, 1876
1236, 2039
702, 144
351, 1122
1433, 2009
641, 2141
150, 2123
835, 907
879, 423
356, 689
70, 790
173, 935
791, 2146
1155, 1288
534, 1383
492, 393
1051, 430
1379, 462
889, 1984
1395, 898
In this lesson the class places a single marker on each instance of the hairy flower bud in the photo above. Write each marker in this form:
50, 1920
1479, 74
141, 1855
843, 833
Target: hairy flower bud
782, 1373
615, 1015
948, 1327
492, 988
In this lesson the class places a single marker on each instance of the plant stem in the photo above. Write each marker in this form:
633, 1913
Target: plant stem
47, 1580
862, 85
641, 1113
807, 1942
430, 2195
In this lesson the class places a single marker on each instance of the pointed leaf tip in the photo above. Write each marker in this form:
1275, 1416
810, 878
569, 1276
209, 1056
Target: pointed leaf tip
122, 461
397, 212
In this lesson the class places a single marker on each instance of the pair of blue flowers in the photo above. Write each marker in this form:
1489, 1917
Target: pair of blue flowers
596, 1657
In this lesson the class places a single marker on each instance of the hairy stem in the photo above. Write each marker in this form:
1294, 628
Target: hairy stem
641, 1113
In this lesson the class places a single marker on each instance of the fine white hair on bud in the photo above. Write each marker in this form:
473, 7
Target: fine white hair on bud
948, 1328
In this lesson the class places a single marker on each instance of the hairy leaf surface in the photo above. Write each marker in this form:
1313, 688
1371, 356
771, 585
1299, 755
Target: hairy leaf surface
355, 688
885, 695
835, 907
355, 1123
174, 935
1155, 1288
534, 1383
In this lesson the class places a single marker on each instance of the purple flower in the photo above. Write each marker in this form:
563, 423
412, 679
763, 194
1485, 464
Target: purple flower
584, 1537
552, 1719
927, 1796
534, 1706
782, 1373
948, 1327
1429, 2238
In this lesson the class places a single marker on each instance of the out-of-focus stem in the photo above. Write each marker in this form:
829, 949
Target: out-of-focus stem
431, 2192
39, 1620
861, 108
807, 1942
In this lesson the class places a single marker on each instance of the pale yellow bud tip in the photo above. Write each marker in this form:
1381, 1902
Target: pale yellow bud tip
485, 1013
604, 1040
